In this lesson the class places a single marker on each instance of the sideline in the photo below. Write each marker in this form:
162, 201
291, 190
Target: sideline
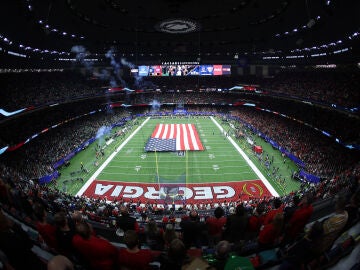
107, 161
247, 159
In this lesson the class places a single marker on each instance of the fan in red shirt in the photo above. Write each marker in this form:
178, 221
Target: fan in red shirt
278, 208
46, 231
133, 257
256, 220
270, 233
299, 219
97, 252
215, 226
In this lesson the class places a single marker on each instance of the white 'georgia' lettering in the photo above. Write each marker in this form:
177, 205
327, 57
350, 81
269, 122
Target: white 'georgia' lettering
133, 192
188, 193
203, 193
224, 192
101, 189
116, 191
152, 193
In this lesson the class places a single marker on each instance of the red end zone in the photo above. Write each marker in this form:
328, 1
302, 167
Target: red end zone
177, 193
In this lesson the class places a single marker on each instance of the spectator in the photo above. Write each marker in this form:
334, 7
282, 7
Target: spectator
256, 221
46, 231
334, 225
154, 235
96, 252
299, 219
169, 235
352, 208
236, 224
303, 250
60, 262
278, 207
175, 257
77, 218
215, 226
290, 209
192, 230
270, 234
133, 257
16, 245
64, 234
222, 253
126, 222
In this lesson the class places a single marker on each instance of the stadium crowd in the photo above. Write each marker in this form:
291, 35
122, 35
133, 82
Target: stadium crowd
61, 141
35, 89
155, 232
321, 155
327, 86
21, 90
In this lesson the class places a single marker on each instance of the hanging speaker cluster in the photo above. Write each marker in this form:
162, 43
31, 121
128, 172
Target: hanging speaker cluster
177, 26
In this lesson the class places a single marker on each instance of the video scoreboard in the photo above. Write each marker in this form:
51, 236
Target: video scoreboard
182, 70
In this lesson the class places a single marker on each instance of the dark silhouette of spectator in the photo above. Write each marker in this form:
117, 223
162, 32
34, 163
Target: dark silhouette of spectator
169, 235
302, 251
153, 235
64, 234
236, 224
126, 222
77, 218
290, 209
17, 245
97, 253
192, 230
352, 208
46, 231
222, 253
175, 257
133, 257
215, 225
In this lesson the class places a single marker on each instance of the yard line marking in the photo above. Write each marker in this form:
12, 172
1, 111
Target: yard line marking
247, 159
107, 161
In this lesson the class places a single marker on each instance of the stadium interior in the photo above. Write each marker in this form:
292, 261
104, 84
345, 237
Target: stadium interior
278, 81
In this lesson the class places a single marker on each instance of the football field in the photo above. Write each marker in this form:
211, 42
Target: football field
222, 171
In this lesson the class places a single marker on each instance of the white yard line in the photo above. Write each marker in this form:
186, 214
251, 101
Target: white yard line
107, 161
247, 159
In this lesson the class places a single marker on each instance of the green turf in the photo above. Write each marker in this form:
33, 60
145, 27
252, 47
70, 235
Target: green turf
220, 162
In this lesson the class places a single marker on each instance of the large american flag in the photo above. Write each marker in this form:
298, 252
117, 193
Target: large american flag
174, 137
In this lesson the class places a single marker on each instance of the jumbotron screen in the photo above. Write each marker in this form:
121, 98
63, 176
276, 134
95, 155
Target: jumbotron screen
182, 70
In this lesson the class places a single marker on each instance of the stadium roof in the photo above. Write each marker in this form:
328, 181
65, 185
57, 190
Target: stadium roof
183, 29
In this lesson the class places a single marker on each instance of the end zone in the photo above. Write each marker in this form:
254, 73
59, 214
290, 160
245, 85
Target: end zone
185, 193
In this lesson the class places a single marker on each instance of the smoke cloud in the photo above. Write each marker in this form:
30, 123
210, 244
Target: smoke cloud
155, 105
101, 133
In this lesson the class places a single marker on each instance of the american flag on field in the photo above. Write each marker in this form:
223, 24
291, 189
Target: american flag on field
174, 137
